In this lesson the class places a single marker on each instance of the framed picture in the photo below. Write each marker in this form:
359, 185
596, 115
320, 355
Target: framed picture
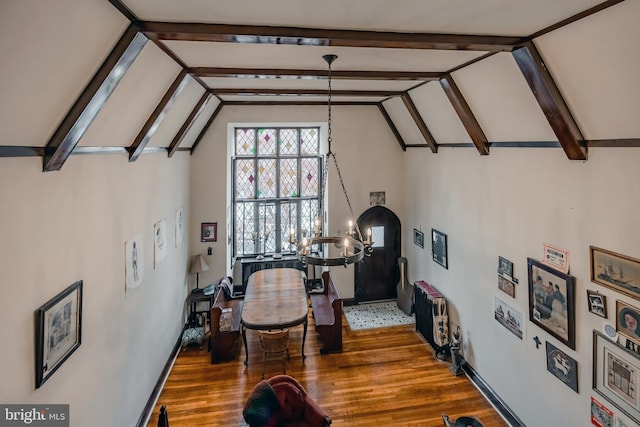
134, 262
552, 301
597, 303
601, 416
556, 258
505, 267
618, 272
209, 232
418, 238
507, 286
564, 367
159, 242
439, 248
377, 198
616, 372
58, 331
628, 321
179, 226
508, 317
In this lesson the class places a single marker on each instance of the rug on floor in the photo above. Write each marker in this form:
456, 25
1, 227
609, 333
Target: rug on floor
376, 315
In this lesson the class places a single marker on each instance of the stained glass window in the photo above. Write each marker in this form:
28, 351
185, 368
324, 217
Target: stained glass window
276, 187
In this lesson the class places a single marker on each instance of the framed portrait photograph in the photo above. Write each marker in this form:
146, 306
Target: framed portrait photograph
58, 331
616, 372
439, 248
418, 238
597, 303
552, 301
562, 366
505, 267
628, 321
209, 232
507, 286
615, 271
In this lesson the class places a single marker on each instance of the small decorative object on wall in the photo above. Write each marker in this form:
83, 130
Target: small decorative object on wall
556, 258
628, 321
58, 331
377, 198
505, 267
159, 242
507, 286
616, 373
610, 331
439, 248
209, 232
615, 271
597, 303
508, 317
179, 226
562, 366
134, 262
418, 238
552, 301
600, 415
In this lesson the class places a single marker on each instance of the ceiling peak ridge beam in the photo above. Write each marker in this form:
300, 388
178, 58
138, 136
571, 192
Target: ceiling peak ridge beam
156, 117
392, 126
261, 34
316, 74
417, 118
465, 114
195, 113
551, 102
300, 92
92, 99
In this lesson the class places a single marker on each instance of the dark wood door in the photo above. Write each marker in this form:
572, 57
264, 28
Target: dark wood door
377, 275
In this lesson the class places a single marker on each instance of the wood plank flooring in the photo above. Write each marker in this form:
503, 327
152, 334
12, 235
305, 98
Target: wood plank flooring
383, 377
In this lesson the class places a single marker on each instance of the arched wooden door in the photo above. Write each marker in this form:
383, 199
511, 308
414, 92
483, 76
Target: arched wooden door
377, 275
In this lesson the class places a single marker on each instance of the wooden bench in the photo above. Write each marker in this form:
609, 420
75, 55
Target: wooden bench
221, 342
327, 312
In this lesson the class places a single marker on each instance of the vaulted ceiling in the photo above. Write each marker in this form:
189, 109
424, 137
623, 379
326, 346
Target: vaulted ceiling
271, 53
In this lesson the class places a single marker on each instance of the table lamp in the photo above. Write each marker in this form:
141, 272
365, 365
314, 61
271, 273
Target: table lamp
198, 265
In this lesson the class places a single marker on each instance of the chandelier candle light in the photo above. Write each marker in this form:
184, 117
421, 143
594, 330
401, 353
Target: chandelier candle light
354, 247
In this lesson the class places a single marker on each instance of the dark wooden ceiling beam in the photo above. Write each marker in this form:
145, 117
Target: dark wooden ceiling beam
260, 34
92, 99
298, 92
188, 123
392, 126
154, 120
205, 128
305, 103
550, 100
417, 118
314, 74
465, 114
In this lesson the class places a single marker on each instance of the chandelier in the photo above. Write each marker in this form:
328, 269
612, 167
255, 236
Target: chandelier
353, 247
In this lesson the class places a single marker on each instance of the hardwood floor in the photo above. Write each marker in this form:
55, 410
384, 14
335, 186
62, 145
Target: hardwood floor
383, 377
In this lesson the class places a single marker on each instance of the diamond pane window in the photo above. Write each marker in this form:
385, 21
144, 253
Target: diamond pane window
267, 178
309, 174
246, 235
245, 142
245, 179
288, 142
266, 142
309, 139
288, 177
289, 219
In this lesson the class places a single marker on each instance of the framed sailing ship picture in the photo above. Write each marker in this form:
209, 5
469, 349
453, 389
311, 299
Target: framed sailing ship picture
615, 271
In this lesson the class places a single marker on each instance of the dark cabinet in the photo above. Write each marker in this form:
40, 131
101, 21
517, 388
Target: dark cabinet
244, 267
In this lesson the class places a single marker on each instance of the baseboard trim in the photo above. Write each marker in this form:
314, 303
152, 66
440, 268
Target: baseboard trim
155, 394
509, 416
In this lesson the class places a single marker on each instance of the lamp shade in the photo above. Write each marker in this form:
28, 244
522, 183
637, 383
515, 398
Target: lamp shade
198, 265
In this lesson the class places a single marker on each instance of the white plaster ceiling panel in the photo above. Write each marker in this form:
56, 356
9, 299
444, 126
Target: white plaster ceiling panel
200, 122
498, 17
177, 115
502, 101
438, 114
46, 65
210, 54
133, 100
308, 83
403, 121
596, 64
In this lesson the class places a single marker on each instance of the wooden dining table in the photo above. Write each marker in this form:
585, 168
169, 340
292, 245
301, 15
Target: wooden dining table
274, 299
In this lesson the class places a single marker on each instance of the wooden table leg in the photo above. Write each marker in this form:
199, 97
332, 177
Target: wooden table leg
304, 337
246, 349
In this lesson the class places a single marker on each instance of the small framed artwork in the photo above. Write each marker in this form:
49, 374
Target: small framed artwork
377, 198
564, 367
159, 242
507, 286
618, 272
628, 321
439, 248
597, 303
556, 258
179, 226
58, 331
601, 416
418, 238
508, 317
209, 232
552, 301
505, 267
616, 372
134, 262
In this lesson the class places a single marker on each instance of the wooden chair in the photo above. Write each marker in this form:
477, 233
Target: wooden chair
274, 342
